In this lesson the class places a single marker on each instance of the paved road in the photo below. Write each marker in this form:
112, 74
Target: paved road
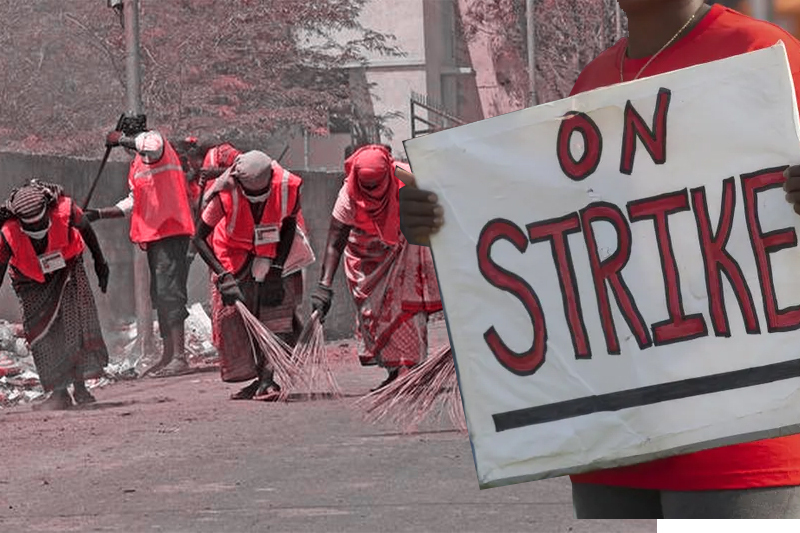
176, 455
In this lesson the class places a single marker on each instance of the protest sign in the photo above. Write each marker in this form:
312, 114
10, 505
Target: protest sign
620, 270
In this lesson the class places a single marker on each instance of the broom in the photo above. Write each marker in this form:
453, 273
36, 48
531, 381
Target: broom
409, 400
311, 359
273, 347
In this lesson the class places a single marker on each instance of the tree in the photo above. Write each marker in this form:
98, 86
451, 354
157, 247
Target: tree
569, 34
240, 69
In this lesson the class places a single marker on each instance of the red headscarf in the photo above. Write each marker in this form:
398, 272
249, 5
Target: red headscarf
378, 208
222, 155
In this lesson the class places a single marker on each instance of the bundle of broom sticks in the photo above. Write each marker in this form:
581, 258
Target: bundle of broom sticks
304, 367
273, 347
411, 399
311, 358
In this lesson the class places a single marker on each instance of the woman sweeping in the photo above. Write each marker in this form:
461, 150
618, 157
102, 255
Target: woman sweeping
43, 238
250, 218
393, 283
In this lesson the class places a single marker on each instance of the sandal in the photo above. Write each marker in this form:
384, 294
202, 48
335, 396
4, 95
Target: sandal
82, 396
176, 367
268, 392
246, 393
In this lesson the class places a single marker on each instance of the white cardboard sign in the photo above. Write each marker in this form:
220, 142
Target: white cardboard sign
619, 269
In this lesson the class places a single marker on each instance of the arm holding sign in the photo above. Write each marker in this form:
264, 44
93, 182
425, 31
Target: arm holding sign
420, 214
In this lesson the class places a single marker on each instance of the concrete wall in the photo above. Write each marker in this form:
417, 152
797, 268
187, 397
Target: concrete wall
76, 175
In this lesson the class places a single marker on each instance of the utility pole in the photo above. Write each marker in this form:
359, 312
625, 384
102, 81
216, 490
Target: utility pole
141, 273
530, 26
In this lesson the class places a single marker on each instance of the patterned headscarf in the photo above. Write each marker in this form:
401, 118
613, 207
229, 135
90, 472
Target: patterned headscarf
377, 204
30, 202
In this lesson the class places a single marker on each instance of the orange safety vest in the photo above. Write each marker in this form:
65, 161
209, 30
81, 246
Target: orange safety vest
161, 206
62, 238
236, 237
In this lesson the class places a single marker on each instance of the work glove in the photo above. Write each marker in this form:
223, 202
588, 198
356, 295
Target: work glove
321, 300
102, 271
113, 138
93, 215
272, 290
229, 289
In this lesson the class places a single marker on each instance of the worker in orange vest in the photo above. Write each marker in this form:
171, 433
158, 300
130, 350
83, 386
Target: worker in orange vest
161, 223
251, 219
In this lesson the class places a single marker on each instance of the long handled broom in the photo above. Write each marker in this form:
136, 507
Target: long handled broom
311, 358
410, 399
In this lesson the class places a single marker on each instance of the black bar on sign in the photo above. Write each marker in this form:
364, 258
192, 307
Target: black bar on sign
652, 394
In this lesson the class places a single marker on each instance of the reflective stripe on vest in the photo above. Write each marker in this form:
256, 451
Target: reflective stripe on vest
161, 205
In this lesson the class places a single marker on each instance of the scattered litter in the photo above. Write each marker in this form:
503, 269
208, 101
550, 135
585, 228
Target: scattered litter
19, 382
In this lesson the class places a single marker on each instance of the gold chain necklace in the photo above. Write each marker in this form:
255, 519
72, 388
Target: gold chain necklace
624, 52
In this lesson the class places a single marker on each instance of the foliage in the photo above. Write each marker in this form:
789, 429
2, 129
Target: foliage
569, 34
240, 69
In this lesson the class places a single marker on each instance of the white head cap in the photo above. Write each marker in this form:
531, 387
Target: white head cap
150, 144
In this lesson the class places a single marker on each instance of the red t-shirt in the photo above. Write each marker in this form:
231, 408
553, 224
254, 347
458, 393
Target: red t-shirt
767, 463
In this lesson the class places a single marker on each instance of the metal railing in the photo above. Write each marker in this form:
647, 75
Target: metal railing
437, 117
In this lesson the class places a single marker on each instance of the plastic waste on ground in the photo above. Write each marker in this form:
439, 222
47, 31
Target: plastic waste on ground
19, 382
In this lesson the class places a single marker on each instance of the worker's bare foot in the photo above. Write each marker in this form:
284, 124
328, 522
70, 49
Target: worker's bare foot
176, 367
156, 367
246, 393
58, 401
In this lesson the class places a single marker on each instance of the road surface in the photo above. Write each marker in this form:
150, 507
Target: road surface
176, 455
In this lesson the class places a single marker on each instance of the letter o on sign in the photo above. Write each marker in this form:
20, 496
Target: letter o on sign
579, 169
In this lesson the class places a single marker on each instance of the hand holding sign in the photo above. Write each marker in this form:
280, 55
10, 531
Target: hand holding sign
420, 214
791, 186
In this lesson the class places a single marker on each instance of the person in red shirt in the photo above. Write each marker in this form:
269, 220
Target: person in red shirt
245, 235
752, 480
43, 238
161, 223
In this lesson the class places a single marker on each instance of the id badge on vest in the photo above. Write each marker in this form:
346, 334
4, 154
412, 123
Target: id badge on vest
267, 234
52, 262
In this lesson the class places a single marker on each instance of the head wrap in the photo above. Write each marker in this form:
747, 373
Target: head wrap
371, 183
222, 155
30, 202
253, 170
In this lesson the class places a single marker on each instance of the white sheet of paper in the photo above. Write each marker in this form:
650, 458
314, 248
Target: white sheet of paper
724, 120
